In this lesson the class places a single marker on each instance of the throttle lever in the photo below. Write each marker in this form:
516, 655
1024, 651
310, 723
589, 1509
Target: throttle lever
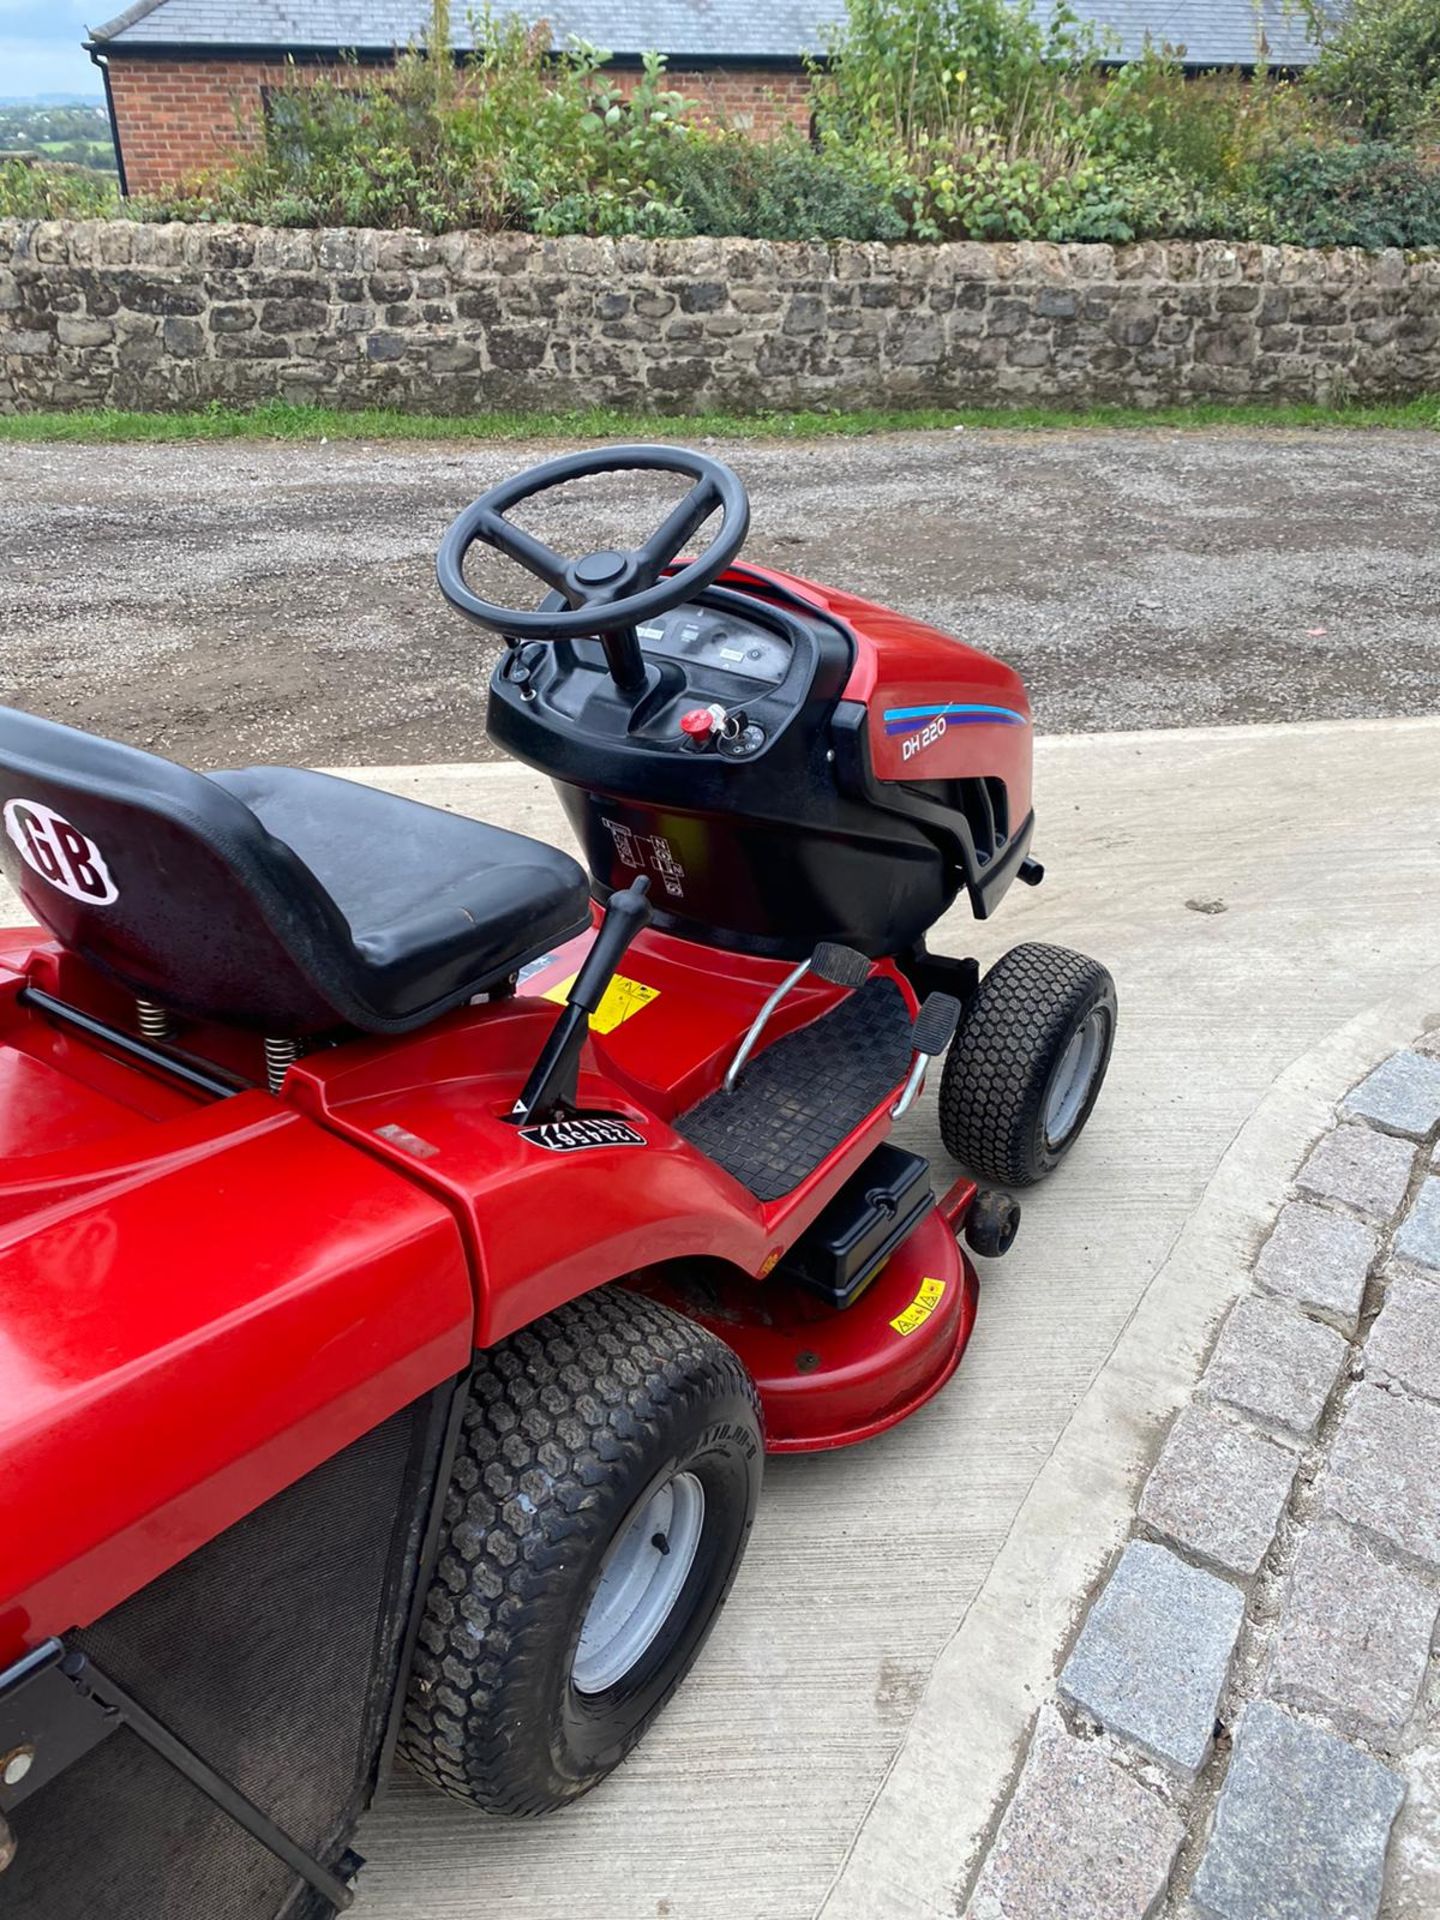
551, 1087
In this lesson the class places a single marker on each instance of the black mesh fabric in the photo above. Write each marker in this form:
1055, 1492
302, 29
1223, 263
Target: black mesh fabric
273, 1652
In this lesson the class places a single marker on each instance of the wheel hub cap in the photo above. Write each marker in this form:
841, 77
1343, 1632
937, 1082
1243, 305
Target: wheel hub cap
1070, 1088
642, 1578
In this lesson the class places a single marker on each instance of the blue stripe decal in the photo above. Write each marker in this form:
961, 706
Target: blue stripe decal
912, 719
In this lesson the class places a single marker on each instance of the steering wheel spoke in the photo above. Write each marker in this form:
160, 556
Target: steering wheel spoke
526, 551
677, 528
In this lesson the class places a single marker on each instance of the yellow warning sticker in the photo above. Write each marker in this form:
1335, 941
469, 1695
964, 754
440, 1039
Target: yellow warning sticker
623, 1000
920, 1308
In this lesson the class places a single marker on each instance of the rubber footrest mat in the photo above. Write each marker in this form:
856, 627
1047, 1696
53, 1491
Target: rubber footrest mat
800, 1098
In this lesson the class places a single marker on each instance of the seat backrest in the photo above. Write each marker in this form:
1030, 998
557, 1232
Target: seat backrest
164, 880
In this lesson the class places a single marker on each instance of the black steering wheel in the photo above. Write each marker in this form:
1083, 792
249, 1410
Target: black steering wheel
609, 591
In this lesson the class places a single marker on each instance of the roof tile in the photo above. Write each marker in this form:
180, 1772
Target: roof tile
1212, 32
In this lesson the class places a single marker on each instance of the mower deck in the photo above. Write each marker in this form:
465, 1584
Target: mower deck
829, 1379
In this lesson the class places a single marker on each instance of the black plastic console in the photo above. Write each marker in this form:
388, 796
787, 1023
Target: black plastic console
761, 841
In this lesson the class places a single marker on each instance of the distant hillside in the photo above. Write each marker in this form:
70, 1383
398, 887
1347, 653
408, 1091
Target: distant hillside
49, 99
74, 131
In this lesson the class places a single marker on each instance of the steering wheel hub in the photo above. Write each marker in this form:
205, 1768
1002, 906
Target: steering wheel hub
601, 569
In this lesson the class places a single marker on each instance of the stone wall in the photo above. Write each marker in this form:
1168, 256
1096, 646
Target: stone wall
125, 315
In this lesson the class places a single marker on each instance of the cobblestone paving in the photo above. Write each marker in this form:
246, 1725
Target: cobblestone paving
1247, 1726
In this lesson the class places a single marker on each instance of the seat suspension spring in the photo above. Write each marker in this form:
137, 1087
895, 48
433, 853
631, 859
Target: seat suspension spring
153, 1021
280, 1056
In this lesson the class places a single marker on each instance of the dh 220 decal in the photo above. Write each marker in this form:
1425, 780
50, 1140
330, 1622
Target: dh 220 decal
954, 713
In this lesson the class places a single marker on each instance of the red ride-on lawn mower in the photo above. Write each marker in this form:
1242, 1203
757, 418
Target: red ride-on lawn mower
411, 1244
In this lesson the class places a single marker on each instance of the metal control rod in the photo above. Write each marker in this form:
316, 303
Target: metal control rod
201, 1079
840, 966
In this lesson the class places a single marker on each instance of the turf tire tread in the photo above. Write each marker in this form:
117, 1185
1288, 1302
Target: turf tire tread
993, 1085
552, 1411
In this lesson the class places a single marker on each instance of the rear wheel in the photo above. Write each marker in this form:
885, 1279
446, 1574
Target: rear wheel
601, 1500
1025, 1068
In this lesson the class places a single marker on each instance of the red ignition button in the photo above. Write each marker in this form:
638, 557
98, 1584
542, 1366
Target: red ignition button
698, 723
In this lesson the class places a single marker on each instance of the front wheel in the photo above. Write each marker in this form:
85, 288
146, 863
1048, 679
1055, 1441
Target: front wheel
1026, 1066
601, 1500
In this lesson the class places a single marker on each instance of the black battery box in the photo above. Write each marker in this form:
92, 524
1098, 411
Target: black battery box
847, 1244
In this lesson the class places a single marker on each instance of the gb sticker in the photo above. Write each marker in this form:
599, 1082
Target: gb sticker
59, 853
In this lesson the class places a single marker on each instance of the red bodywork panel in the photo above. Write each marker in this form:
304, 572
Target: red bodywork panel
910, 677
544, 1226
200, 1300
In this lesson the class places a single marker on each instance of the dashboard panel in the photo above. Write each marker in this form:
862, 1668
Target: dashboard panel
719, 642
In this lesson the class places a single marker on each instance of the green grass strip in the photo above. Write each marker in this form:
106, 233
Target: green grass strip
278, 420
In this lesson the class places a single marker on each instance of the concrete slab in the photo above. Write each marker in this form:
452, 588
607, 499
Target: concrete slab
857, 1713
865, 1564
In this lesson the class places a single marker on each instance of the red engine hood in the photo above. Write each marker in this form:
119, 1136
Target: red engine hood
938, 708
198, 1303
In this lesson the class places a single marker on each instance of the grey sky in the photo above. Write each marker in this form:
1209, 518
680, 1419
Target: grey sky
40, 46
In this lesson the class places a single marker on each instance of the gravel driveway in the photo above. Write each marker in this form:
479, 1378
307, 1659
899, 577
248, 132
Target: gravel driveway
232, 602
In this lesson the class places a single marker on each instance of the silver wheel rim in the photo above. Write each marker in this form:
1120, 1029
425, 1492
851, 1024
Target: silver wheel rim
1073, 1078
640, 1582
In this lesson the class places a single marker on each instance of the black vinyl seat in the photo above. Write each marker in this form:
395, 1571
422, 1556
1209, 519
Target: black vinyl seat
273, 898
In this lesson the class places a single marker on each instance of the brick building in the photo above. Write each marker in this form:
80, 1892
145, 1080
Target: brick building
187, 80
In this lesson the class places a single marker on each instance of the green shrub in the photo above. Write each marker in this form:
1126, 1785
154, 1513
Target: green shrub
782, 189
934, 119
1379, 65
974, 185
1210, 129
993, 126
901, 71
967, 108
29, 191
1368, 195
1095, 199
513, 138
